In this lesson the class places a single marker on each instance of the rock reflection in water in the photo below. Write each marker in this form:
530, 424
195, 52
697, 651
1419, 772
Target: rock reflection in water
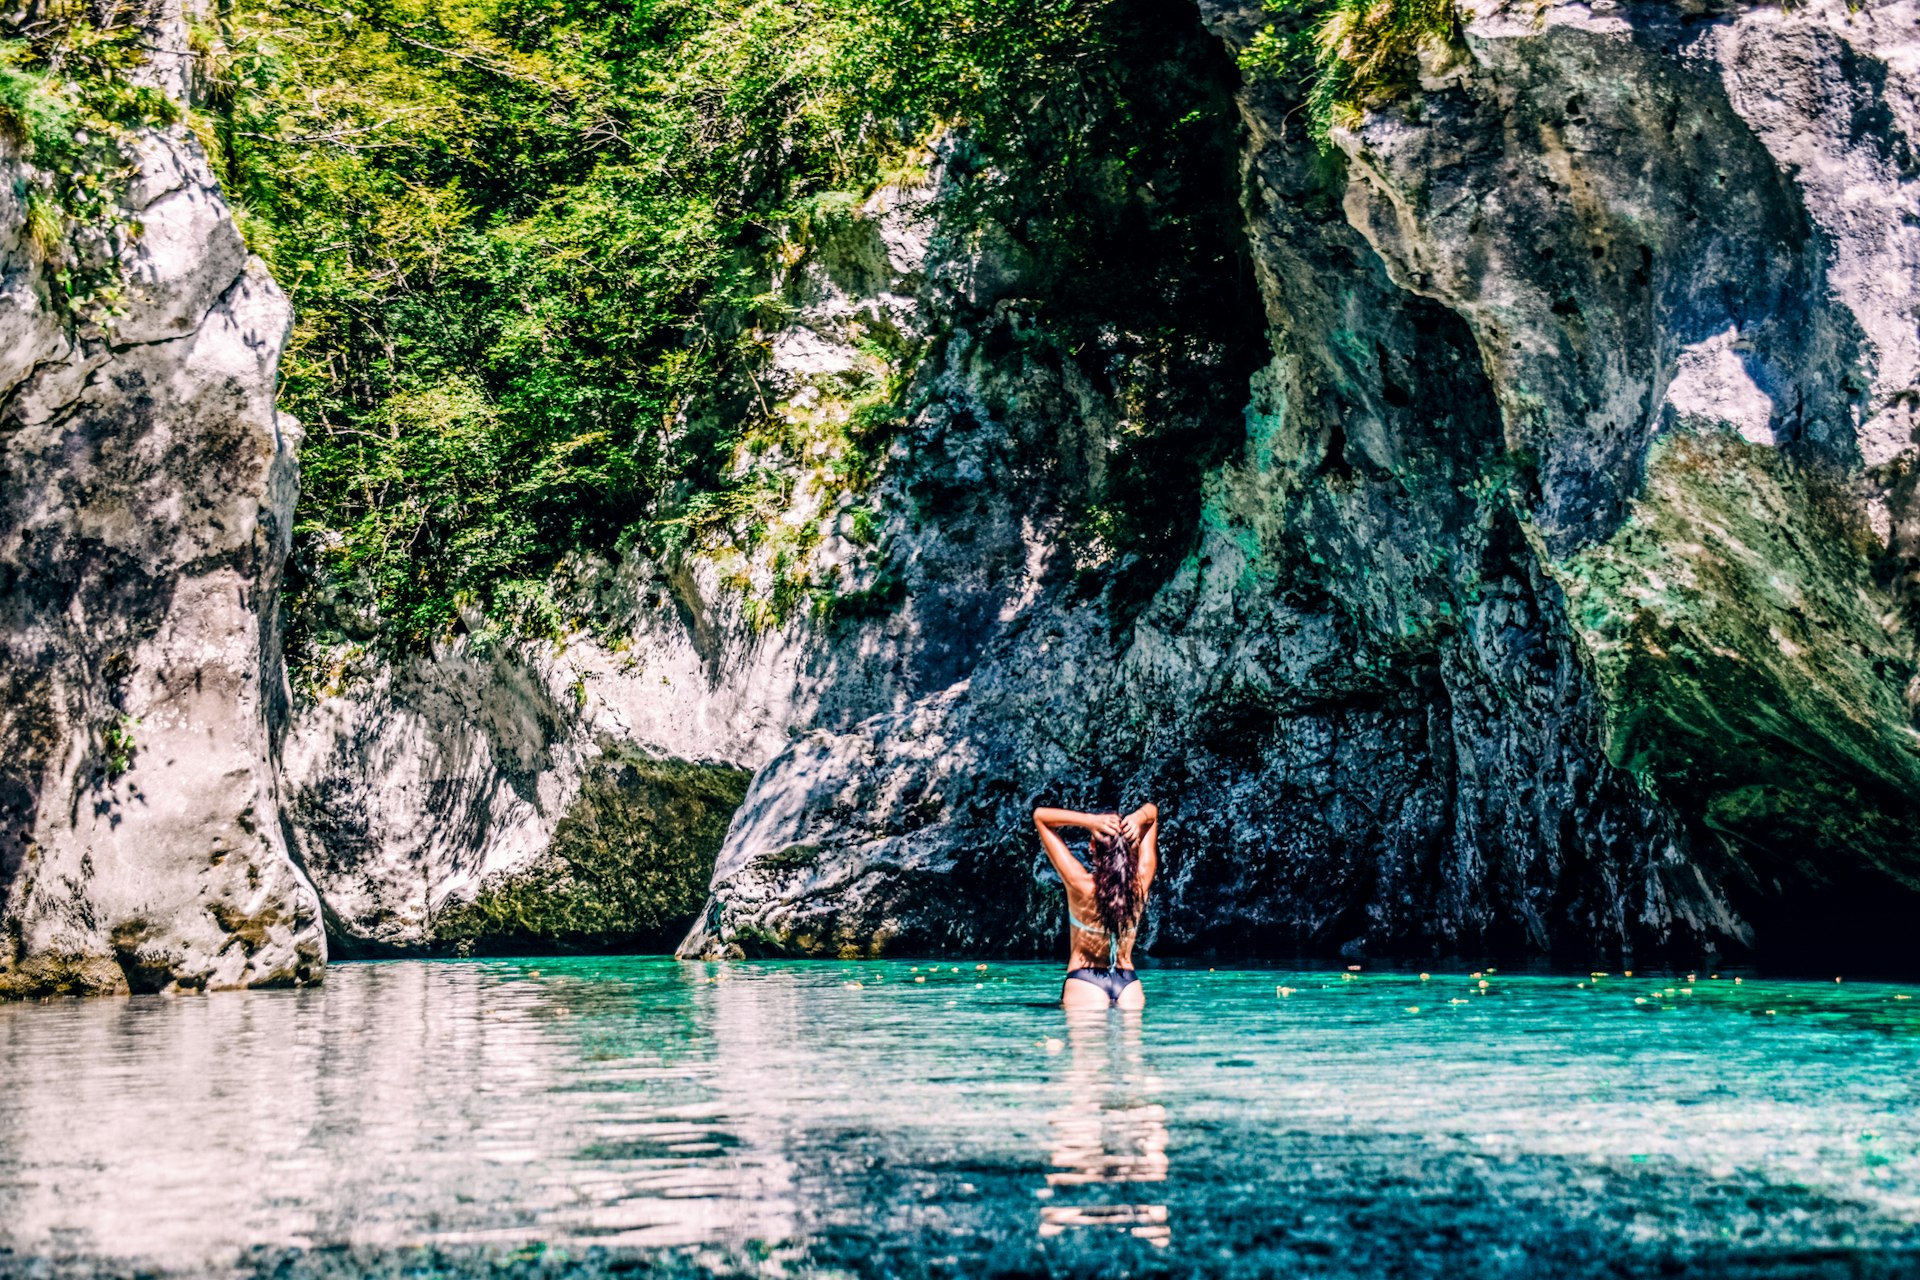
1109, 1132
458, 1104
806, 1119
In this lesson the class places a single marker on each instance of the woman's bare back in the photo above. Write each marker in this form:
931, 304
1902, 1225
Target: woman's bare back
1100, 971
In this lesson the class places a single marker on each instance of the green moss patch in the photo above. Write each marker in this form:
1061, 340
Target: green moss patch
627, 870
1346, 55
1753, 671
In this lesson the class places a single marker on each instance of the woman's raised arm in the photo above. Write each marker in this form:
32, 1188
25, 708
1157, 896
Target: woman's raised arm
1144, 823
1049, 821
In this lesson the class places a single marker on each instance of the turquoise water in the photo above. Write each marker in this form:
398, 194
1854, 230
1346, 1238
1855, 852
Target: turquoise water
769, 1119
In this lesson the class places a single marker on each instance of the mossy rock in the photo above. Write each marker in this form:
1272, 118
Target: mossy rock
1753, 671
39, 976
627, 871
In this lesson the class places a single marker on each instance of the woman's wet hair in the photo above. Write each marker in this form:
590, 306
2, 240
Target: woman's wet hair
1115, 863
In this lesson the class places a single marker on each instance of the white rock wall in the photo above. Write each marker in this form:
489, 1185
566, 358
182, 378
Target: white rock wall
146, 496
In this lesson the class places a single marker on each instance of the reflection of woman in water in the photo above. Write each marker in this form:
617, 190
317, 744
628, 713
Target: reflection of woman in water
1105, 898
1108, 1132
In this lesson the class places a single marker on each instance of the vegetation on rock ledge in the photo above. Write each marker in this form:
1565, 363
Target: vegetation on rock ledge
528, 244
1346, 53
70, 103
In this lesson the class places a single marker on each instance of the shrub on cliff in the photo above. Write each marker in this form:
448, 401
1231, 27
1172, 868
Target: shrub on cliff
71, 105
528, 243
1345, 54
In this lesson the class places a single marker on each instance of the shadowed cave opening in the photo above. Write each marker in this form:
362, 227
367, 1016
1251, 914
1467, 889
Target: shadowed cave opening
626, 872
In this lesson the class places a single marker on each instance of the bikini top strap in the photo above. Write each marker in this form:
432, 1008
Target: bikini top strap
1113, 941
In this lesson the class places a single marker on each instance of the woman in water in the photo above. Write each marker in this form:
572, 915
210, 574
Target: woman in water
1105, 899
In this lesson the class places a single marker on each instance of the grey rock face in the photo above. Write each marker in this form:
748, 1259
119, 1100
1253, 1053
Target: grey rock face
145, 513
1720, 429
1549, 606
1549, 593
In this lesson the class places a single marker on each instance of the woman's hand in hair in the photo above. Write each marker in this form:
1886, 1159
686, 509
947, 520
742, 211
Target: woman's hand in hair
1140, 821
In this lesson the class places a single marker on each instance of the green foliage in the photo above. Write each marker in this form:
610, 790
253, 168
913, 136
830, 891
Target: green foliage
628, 868
527, 243
117, 747
1346, 53
46, 225
71, 102
32, 114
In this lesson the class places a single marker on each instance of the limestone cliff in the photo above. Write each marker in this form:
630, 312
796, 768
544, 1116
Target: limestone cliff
1538, 550
146, 495
1557, 602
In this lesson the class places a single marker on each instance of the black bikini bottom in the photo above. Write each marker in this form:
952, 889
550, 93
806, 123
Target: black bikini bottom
1111, 981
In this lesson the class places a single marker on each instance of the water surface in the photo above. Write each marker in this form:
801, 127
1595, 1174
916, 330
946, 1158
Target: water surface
596, 1115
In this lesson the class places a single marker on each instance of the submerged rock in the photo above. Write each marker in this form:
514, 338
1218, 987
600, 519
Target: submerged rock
146, 495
